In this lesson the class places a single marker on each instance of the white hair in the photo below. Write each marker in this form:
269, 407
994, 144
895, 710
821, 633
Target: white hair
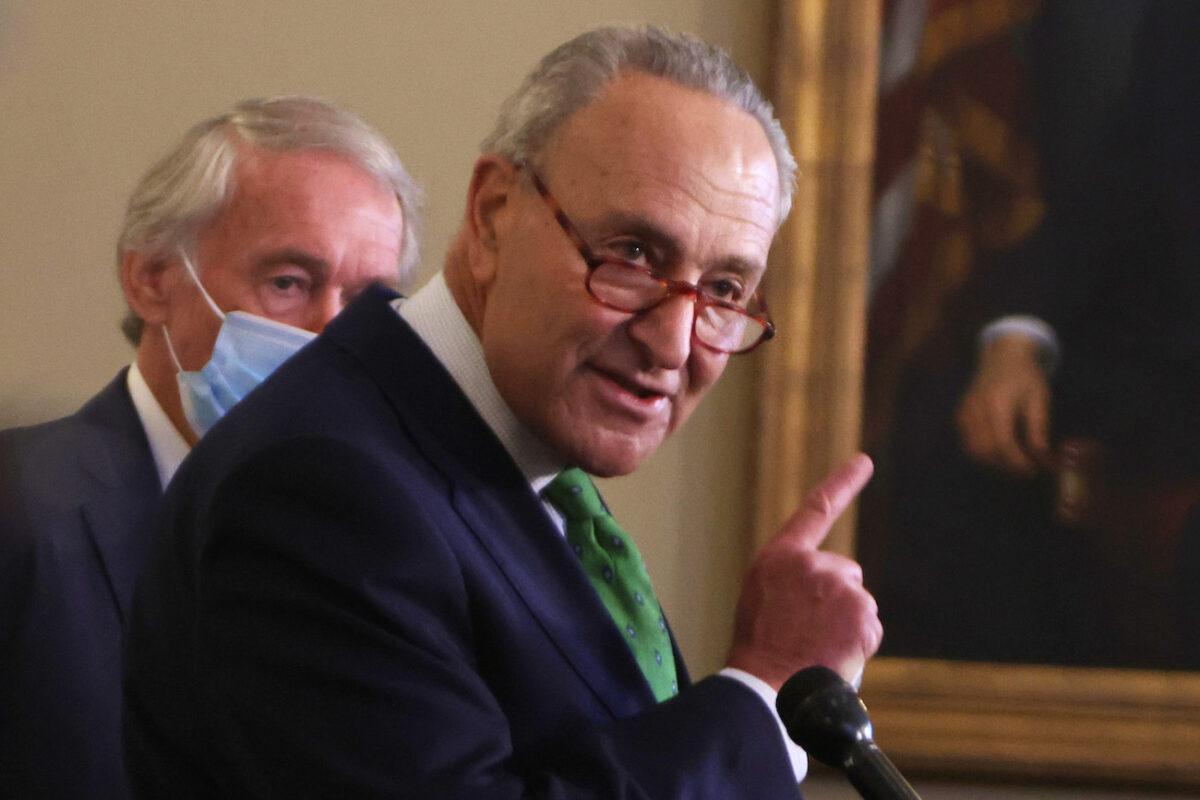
190, 186
576, 72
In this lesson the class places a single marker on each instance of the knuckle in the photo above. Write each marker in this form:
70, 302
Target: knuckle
874, 638
819, 501
809, 560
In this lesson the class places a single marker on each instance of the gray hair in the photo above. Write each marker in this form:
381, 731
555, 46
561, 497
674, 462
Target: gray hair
575, 73
190, 186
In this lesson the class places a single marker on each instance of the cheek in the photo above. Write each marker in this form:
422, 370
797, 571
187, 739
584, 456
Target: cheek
568, 328
193, 333
540, 326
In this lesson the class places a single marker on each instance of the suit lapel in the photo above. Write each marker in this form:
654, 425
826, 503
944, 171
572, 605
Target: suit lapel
495, 501
539, 565
681, 671
118, 523
125, 491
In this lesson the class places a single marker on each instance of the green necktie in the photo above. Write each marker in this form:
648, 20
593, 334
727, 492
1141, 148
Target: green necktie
615, 568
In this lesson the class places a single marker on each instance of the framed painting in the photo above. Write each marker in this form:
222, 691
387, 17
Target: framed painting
975, 701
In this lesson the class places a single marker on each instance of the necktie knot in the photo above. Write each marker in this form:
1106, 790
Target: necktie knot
574, 495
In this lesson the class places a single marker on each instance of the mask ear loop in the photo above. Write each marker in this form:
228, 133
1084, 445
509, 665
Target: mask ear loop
171, 348
191, 270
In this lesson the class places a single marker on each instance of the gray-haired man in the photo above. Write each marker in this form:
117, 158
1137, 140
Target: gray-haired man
407, 586
238, 247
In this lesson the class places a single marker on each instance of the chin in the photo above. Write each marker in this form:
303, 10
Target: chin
609, 468
612, 459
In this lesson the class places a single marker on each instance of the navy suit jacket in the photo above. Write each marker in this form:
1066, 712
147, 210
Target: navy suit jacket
356, 593
76, 498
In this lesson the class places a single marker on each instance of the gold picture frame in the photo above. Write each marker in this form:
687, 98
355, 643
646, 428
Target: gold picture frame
1038, 723
949, 719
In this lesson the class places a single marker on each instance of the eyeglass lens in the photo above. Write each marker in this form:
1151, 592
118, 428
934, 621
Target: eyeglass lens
625, 287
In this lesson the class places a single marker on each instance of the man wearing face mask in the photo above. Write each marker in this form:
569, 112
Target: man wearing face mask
237, 248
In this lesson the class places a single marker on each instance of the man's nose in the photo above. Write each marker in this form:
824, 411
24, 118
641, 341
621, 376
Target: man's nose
665, 331
326, 306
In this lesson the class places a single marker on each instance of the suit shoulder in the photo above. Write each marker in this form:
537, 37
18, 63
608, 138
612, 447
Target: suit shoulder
37, 457
36, 462
47, 469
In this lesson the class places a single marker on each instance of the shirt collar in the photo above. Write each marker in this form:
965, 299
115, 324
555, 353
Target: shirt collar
438, 321
167, 445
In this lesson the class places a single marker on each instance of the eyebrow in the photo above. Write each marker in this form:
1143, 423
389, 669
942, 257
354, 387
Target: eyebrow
638, 226
290, 255
320, 269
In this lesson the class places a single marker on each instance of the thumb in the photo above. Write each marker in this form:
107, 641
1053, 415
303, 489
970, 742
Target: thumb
810, 524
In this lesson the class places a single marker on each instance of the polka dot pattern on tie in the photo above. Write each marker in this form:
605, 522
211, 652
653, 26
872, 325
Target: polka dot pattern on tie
615, 569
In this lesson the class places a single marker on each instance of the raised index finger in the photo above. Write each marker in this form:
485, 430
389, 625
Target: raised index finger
810, 524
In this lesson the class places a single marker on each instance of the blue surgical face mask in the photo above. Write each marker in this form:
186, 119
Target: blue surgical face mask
248, 349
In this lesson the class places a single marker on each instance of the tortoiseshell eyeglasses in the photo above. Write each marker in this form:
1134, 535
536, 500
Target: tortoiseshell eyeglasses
718, 324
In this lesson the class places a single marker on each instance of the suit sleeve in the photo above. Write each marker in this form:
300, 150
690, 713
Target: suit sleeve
1106, 114
335, 654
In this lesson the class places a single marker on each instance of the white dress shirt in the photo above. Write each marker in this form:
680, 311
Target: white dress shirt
438, 321
166, 443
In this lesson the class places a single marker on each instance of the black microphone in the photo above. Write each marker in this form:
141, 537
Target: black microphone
822, 714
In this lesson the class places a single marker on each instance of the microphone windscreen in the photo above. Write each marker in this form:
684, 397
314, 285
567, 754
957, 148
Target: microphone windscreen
822, 714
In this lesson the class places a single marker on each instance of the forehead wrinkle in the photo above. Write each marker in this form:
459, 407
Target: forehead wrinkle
613, 146
752, 195
700, 216
686, 192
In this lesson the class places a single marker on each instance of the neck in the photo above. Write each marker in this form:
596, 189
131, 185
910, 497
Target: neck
466, 293
156, 367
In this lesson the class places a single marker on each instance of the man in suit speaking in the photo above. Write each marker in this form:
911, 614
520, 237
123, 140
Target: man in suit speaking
387, 573
237, 247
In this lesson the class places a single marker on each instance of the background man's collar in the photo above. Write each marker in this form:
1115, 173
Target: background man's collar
166, 443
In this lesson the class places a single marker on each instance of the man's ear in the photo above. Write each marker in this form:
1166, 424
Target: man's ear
493, 182
144, 280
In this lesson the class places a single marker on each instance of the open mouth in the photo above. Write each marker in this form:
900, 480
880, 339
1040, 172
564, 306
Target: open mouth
633, 388
643, 394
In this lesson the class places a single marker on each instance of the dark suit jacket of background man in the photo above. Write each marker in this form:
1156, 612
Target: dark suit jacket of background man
76, 499
356, 593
